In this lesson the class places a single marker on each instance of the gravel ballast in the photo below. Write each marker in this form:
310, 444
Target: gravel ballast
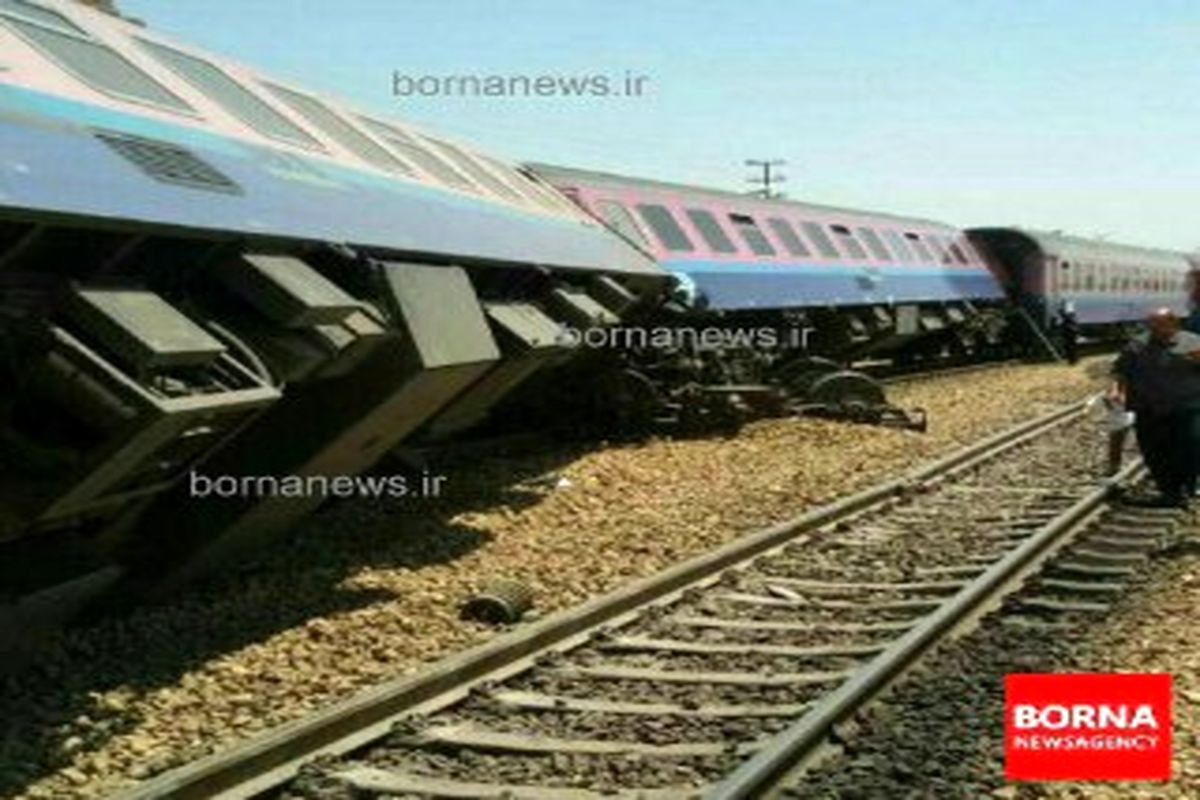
941, 733
368, 591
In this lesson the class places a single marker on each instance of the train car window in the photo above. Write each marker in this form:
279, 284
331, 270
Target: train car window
620, 220
817, 235
550, 196
473, 170
408, 147
938, 246
95, 64
44, 16
754, 238
874, 244
525, 186
848, 241
229, 94
710, 230
899, 246
959, 255
663, 223
324, 119
787, 234
918, 246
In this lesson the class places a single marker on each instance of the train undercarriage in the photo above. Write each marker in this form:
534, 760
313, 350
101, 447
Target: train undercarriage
682, 370
133, 366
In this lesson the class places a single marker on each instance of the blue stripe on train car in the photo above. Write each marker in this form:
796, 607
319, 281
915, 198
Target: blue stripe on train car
746, 285
53, 164
1102, 309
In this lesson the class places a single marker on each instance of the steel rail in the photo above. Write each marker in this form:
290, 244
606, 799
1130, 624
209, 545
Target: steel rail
756, 776
900, 377
268, 760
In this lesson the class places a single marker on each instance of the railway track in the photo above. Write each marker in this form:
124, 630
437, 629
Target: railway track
718, 677
893, 376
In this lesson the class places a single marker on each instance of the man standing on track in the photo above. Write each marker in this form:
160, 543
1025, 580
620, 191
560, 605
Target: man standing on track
1158, 378
1068, 332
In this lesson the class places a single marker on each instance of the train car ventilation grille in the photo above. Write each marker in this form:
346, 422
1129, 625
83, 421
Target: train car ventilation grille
170, 163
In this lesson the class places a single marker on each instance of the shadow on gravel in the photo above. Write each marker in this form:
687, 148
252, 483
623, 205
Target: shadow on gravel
63, 705
940, 734
54, 711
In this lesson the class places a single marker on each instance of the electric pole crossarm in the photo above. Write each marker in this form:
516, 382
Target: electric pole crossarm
768, 177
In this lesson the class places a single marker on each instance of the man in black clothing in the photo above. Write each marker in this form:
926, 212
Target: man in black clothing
1158, 378
1068, 331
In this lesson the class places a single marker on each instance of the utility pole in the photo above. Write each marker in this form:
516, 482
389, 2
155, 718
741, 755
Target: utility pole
769, 177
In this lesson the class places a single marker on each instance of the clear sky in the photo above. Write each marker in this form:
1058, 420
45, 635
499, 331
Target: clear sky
1083, 116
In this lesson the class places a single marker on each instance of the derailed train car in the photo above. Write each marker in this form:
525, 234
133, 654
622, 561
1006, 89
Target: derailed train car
860, 285
203, 269
832, 286
200, 265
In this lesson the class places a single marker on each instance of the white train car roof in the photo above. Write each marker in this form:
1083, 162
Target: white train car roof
66, 66
745, 252
566, 175
1070, 248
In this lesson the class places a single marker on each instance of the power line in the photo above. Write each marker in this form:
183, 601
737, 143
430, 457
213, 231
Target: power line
768, 177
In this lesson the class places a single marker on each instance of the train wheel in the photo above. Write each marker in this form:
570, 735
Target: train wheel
627, 400
846, 389
801, 375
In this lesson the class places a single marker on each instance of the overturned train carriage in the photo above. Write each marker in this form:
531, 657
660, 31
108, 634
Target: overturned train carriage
201, 268
777, 298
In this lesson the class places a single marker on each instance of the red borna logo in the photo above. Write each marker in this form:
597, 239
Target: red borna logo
1110, 727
